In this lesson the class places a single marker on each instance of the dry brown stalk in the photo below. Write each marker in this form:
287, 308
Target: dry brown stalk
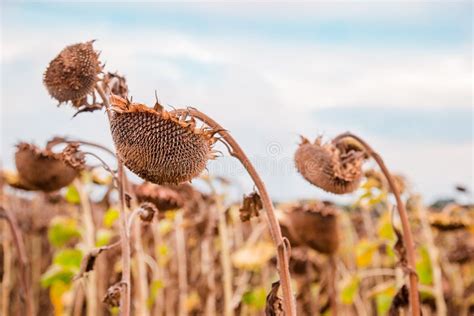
281, 246
23, 260
407, 235
126, 288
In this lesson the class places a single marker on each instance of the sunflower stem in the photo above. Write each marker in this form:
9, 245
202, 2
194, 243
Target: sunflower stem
281, 245
407, 235
23, 260
124, 236
332, 285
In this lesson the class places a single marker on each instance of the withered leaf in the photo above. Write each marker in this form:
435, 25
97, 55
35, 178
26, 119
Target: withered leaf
119, 87
400, 300
251, 205
400, 250
147, 211
87, 263
73, 156
128, 200
112, 297
274, 305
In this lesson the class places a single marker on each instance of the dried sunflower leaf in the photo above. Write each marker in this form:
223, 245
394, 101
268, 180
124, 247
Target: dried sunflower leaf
251, 206
274, 305
112, 297
400, 300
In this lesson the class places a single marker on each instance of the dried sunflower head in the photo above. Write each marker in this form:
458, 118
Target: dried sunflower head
445, 221
335, 168
462, 251
43, 169
164, 198
157, 145
314, 225
15, 181
73, 73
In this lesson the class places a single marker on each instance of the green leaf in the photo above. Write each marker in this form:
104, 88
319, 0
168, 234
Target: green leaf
155, 287
423, 267
163, 254
378, 199
72, 196
62, 230
365, 250
384, 227
383, 300
68, 258
86, 177
165, 226
110, 217
253, 257
369, 184
56, 274
103, 237
349, 290
256, 298
163, 250
56, 293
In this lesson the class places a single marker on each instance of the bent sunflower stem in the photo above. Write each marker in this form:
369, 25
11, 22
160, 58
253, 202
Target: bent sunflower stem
281, 245
407, 235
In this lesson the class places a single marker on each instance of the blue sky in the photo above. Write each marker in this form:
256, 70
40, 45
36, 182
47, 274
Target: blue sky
397, 73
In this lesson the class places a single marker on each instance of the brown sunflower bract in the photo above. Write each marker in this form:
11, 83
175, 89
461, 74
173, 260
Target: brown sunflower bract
42, 169
335, 168
157, 145
73, 73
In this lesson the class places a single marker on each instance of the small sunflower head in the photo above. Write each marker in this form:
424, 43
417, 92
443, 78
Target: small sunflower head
335, 168
42, 169
314, 225
157, 145
72, 74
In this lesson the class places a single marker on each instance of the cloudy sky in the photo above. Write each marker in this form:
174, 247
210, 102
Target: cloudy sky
399, 74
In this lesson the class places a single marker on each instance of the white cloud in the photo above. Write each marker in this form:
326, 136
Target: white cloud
257, 89
299, 78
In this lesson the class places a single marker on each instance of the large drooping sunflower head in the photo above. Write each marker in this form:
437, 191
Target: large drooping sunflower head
159, 146
43, 169
312, 224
